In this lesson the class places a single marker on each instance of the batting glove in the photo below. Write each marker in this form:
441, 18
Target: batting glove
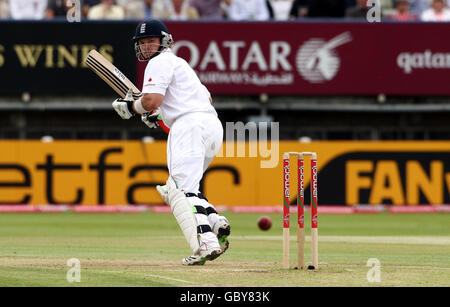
124, 107
151, 118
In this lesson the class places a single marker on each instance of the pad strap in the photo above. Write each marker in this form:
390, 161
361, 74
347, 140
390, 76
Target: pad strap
199, 195
203, 228
210, 210
201, 210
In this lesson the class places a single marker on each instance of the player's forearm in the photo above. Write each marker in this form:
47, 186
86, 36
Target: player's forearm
148, 103
151, 102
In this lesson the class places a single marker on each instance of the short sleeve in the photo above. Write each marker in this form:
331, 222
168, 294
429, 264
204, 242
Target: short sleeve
158, 75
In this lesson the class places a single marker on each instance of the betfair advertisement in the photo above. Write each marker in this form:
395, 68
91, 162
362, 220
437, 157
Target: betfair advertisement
119, 173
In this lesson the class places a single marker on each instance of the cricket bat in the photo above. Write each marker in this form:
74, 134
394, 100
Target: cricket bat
114, 78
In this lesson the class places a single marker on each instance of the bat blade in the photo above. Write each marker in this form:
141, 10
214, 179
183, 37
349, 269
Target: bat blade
114, 78
111, 74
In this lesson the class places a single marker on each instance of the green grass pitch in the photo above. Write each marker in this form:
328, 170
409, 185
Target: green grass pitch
146, 249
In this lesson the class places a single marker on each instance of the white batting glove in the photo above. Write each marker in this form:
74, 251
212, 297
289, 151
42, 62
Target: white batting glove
124, 107
151, 118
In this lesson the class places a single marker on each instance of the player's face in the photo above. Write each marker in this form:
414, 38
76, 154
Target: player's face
403, 7
149, 46
438, 5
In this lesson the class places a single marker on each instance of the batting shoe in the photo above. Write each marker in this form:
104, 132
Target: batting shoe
202, 256
222, 230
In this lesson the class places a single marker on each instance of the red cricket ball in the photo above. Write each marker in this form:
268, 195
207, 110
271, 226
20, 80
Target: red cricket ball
264, 223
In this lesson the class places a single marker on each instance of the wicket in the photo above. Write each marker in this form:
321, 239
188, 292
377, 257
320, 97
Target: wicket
301, 209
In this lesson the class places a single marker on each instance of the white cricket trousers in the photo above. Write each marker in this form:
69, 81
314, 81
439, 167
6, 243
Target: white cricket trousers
194, 139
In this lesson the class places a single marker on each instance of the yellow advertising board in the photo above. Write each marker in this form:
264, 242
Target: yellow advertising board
243, 174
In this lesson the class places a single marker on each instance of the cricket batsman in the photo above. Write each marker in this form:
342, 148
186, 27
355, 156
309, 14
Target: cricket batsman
173, 92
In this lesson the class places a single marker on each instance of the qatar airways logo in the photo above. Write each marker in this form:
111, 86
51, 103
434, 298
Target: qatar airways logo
318, 61
234, 62
261, 64
409, 61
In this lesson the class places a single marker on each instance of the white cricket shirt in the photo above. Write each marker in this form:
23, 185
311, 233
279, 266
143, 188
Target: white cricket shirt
171, 76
